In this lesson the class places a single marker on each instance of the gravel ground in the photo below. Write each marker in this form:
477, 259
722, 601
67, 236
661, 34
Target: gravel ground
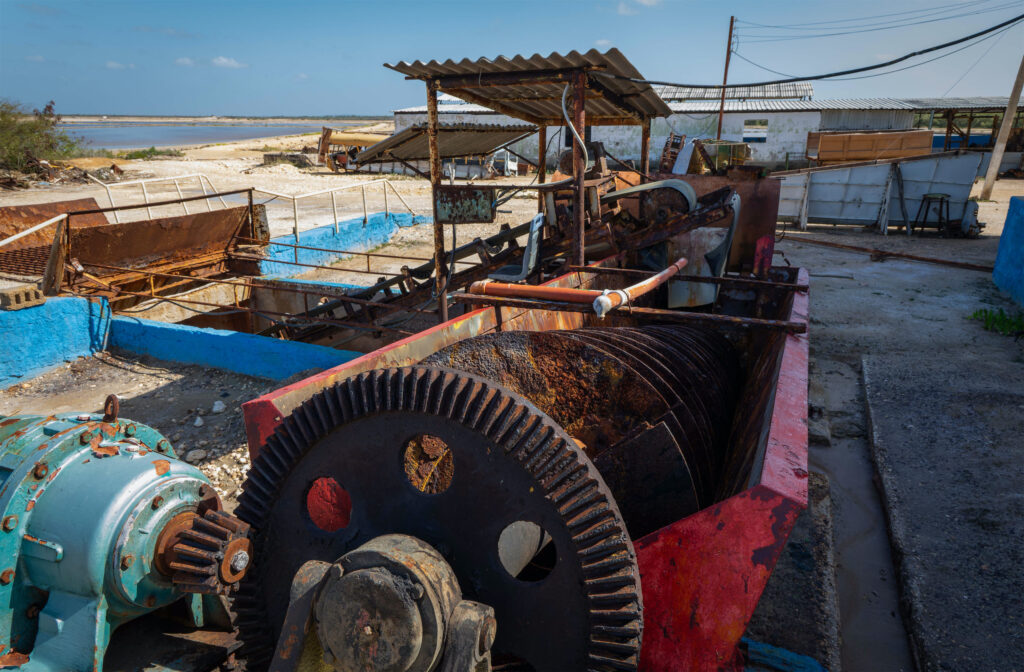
177, 400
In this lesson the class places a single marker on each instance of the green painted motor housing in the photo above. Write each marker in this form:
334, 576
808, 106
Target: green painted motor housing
83, 505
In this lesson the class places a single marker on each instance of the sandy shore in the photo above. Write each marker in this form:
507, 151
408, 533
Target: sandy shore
239, 165
326, 121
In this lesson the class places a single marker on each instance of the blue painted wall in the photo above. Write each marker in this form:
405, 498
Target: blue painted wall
352, 235
1009, 271
33, 340
243, 353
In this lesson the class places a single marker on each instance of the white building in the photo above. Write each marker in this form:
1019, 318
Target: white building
773, 127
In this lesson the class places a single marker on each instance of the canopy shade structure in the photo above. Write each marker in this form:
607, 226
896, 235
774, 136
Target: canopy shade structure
530, 88
454, 141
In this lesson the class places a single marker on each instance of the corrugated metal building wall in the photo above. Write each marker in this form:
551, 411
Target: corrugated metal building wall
860, 120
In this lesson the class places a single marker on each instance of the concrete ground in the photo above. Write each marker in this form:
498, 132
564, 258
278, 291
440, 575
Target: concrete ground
945, 402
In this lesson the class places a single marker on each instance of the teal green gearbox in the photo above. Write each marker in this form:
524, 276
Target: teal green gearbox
89, 514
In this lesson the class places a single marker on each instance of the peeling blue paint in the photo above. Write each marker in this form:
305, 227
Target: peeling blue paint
229, 350
39, 338
353, 235
1009, 270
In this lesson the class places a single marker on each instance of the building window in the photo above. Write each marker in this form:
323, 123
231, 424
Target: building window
755, 130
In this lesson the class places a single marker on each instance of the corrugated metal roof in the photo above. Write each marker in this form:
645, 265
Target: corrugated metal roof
541, 102
789, 90
699, 106
971, 103
468, 108
791, 105
453, 141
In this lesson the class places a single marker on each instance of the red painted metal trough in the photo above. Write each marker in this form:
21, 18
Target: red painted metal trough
702, 575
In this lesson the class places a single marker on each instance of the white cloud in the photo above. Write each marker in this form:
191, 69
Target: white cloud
625, 9
185, 61
114, 65
603, 43
648, 3
225, 62
302, 75
35, 58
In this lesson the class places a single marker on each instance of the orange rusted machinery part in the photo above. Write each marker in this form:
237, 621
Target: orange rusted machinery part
603, 300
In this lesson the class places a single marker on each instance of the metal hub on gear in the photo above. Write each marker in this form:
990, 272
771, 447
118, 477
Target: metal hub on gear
509, 464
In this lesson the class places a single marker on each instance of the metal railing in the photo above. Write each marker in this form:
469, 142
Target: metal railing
385, 184
203, 180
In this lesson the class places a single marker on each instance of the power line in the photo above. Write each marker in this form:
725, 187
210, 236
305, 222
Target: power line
789, 38
830, 75
997, 35
922, 11
990, 47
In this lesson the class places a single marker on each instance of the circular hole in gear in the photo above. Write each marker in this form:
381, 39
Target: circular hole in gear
328, 504
428, 464
526, 551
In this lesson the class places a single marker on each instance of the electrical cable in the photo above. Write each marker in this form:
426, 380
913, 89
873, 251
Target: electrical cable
755, 39
923, 10
575, 133
973, 65
851, 71
889, 72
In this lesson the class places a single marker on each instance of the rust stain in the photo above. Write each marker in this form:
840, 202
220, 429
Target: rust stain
13, 659
30, 505
161, 466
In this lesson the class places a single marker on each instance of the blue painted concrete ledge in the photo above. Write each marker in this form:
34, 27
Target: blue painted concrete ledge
34, 340
352, 235
1009, 270
230, 350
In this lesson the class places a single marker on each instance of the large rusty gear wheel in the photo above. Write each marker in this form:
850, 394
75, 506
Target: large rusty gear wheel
509, 462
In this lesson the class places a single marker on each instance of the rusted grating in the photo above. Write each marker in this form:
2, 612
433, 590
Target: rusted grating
28, 261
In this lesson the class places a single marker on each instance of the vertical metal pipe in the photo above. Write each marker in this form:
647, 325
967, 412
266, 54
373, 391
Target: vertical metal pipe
440, 278
334, 208
184, 205
579, 166
365, 217
725, 78
295, 226
252, 217
387, 211
645, 147
209, 207
542, 163
145, 198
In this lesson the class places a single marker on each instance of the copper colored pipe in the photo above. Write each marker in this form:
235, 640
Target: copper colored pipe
603, 301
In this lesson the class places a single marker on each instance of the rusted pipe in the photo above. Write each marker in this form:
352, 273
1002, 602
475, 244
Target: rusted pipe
603, 300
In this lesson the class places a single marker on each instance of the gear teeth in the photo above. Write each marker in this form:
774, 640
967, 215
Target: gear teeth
199, 552
603, 550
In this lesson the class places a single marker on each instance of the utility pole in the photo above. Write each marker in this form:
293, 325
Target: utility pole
725, 78
1004, 133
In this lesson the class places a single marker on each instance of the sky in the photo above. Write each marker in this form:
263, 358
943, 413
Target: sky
228, 57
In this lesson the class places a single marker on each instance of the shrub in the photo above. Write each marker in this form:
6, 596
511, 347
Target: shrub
24, 136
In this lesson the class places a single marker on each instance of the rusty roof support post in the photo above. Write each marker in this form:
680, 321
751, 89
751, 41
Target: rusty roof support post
579, 166
725, 79
542, 162
440, 279
645, 148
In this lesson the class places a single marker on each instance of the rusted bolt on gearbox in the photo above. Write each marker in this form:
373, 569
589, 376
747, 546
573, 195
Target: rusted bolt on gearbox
6, 576
126, 562
41, 470
10, 522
